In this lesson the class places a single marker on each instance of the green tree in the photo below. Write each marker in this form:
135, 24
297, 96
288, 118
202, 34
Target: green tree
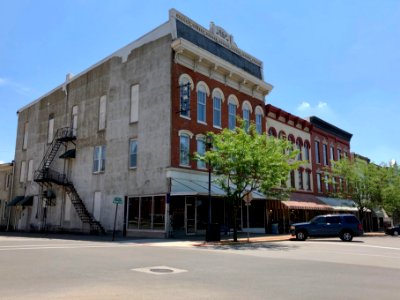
363, 182
245, 161
391, 191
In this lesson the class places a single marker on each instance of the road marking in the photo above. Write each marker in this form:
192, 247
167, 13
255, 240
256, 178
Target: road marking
41, 247
353, 245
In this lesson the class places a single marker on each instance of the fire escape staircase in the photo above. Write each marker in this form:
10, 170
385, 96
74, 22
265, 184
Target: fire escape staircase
45, 176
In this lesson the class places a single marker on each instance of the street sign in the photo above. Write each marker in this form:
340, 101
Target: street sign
117, 200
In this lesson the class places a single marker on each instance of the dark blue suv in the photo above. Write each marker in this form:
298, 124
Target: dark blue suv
345, 226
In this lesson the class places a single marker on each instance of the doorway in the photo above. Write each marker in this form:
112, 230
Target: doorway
190, 215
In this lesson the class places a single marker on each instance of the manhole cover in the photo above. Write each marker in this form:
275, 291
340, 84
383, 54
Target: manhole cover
161, 270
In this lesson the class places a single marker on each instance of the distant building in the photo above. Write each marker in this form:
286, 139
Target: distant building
6, 177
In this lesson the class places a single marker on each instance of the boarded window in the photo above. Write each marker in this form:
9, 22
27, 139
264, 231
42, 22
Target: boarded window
134, 103
102, 112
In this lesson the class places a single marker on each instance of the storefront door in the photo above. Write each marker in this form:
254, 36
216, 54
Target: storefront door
190, 215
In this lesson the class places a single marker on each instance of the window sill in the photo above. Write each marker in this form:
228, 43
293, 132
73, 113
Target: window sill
201, 122
185, 166
98, 172
185, 117
132, 168
217, 127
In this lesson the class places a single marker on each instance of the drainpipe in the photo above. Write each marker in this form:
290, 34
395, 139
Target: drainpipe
10, 195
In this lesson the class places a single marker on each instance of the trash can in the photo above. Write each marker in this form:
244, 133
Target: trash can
213, 233
275, 229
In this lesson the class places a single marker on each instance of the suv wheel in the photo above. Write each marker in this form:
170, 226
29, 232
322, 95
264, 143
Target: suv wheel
346, 236
395, 233
301, 235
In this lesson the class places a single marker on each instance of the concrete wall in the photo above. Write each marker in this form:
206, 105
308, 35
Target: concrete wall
5, 191
150, 67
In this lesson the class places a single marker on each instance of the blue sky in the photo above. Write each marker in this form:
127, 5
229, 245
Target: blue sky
339, 60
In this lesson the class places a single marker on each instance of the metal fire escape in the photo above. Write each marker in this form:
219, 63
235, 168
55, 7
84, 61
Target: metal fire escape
45, 177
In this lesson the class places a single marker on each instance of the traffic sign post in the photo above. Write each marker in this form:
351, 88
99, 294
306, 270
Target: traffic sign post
247, 199
116, 201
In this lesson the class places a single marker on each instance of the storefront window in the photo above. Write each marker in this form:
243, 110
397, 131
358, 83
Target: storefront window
146, 213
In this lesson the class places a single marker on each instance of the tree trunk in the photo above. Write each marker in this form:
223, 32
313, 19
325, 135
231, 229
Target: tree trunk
235, 220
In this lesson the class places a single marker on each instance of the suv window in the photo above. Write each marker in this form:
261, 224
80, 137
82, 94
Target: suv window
351, 219
320, 220
333, 220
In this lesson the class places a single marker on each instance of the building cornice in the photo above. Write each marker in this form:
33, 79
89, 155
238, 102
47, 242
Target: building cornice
200, 60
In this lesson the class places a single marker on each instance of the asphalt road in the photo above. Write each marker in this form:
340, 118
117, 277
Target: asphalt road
43, 268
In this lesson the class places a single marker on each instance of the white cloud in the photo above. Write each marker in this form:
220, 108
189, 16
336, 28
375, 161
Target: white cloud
3, 81
303, 106
322, 105
19, 88
1, 162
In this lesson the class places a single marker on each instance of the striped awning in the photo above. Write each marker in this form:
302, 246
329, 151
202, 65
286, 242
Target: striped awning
305, 202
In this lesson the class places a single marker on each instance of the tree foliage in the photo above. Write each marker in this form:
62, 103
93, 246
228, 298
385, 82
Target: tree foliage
245, 161
363, 182
391, 191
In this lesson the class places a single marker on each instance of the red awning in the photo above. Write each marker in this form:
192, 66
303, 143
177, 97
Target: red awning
306, 202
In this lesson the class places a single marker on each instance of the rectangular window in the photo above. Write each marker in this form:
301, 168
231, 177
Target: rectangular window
146, 208
326, 183
201, 149
97, 205
23, 172
67, 208
232, 116
25, 141
99, 159
201, 106
74, 121
133, 154
334, 184
319, 183
339, 154
184, 150
102, 112
30, 170
8, 181
301, 180
292, 180
217, 112
134, 103
317, 154
308, 181
259, 123
332, 153
185, 100
325, 153
50, 129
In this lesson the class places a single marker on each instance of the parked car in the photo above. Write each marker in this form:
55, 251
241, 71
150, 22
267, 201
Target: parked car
393, 230
344, 226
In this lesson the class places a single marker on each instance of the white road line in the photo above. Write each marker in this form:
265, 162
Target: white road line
64, 247
355, 245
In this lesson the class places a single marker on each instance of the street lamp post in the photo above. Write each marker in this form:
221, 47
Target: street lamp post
209, 145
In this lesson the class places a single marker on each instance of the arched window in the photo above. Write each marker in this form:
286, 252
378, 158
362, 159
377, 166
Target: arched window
272, 132
185, 86
232, 105
306, 150
184, 147
282, 134
246, 114
259, 119
299, 144
201, 102
201, 149
217, 107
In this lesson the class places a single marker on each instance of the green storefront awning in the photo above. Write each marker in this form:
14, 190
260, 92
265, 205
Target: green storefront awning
27, 201
15, 201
